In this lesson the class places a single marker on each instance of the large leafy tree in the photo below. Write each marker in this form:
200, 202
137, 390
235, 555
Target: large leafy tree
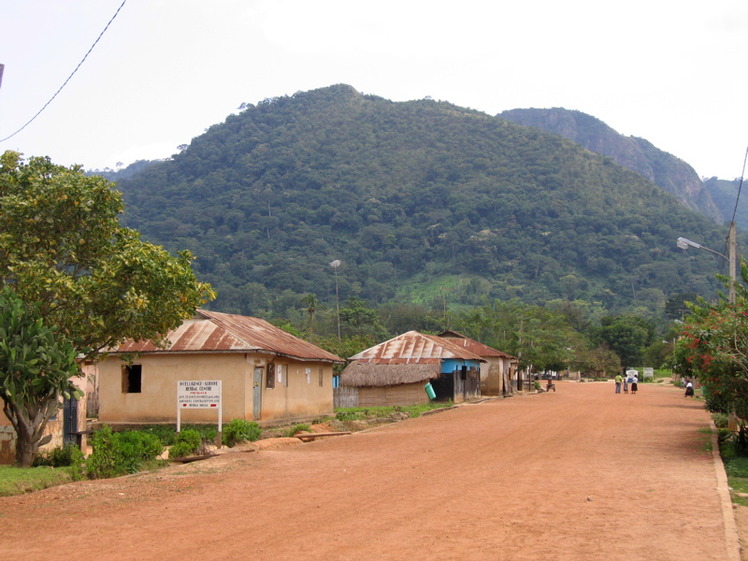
63, 248
36, 366
540, 338
628, 336
94, 282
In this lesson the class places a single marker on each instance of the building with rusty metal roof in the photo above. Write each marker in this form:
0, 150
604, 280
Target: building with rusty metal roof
411, 368
498, 374
265, 373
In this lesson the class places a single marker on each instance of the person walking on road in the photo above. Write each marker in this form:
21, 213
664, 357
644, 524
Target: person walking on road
619, 379
625, 385
634, 384
689, 389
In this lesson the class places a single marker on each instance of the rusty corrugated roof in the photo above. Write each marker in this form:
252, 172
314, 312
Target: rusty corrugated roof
472, 345
415, 348
218, 332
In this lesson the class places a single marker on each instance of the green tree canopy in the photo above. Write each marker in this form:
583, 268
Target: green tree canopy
36, 365
628, 336
65, 257
62, 248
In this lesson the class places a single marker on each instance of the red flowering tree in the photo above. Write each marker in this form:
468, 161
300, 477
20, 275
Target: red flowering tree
713, 349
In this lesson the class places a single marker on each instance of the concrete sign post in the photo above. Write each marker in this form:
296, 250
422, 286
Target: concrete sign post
199, 394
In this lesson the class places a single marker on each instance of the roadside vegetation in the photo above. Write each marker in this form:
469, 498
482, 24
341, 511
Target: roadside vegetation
121, 453
734, 452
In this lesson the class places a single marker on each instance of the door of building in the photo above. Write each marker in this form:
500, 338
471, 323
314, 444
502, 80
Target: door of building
257, 392
70, 421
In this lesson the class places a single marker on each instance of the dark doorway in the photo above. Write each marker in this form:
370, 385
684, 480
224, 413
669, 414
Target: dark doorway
70, 421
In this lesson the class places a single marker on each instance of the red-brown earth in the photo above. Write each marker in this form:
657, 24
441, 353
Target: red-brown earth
581, 474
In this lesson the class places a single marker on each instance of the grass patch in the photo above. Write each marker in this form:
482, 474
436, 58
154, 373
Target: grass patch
736, 468
367, 413
16, 481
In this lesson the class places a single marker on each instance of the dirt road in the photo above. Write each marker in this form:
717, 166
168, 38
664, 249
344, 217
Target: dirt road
581, 474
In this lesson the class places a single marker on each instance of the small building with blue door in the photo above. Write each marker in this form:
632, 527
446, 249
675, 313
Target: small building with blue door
396, 372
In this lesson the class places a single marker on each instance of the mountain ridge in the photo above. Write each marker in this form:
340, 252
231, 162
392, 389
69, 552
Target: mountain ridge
411, 195
637, 154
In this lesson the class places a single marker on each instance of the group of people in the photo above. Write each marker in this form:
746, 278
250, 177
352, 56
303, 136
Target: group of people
627, 381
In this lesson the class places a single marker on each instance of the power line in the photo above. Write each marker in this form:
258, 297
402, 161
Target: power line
740, 186
69, 77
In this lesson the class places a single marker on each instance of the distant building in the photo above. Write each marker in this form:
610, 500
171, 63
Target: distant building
396, 371
498, 375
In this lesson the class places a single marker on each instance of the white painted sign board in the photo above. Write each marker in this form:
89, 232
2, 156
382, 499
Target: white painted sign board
199, 394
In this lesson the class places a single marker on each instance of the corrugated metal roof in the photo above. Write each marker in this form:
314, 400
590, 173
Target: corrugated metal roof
415, 348
472, 345
218, 332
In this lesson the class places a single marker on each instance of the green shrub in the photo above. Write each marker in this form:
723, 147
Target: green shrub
57, 457
134, 448
239, 430
116, 454
187, 443
720, 420
298, 428
168, 433
102, 463
346, 415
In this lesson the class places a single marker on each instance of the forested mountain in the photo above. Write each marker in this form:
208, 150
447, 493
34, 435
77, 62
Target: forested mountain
672, 174
420, 201
724, 193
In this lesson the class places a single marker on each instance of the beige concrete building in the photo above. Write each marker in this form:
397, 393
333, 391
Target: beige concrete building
267, 375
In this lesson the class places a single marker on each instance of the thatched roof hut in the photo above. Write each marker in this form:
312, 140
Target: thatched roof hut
394, 372
359, 374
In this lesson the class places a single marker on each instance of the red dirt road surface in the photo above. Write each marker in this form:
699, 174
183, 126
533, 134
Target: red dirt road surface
581, 474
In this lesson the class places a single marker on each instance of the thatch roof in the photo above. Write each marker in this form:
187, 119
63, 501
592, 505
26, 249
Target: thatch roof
359, 374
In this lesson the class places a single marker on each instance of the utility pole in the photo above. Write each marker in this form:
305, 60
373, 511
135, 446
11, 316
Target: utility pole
732, 260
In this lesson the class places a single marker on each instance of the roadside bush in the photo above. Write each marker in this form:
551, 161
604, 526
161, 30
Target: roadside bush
187, 443
720, 420
168, 433
135, 448
240, 430
57, 457
116, 454
297, 428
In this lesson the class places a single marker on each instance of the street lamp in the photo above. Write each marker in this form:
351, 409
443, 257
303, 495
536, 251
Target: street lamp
335, 264
731, 256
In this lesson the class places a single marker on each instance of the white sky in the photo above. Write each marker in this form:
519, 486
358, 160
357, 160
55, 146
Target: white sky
670, 71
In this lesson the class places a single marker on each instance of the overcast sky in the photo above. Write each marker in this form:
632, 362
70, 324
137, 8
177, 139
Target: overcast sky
670, 71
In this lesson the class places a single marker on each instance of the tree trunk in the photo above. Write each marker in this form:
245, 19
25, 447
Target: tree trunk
29, 423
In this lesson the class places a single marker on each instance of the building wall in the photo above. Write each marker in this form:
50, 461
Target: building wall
401, 394
297, 393
303, 390
491, 378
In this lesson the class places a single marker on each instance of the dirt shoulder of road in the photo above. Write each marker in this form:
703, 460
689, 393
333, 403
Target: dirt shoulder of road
576, 475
